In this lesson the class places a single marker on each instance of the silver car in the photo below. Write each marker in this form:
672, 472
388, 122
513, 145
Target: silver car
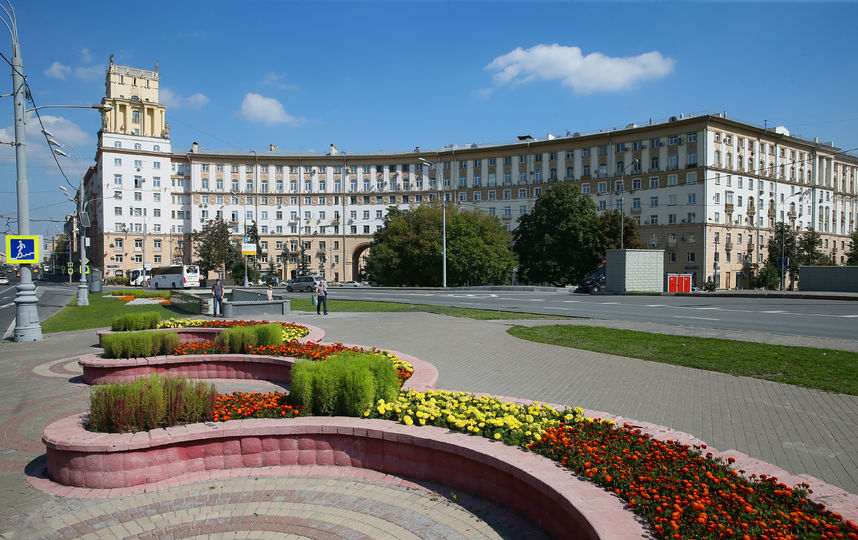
303, 283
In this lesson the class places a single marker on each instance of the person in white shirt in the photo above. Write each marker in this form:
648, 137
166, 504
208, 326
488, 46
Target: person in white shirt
321, 292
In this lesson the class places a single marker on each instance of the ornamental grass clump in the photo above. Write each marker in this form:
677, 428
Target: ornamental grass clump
145, 320
346, 384
149, 403
139, 344
240, 338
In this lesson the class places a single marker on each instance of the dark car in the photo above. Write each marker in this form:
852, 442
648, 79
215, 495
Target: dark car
593, 283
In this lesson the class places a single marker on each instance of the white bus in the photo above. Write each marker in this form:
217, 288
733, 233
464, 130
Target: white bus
178, 276
137, 277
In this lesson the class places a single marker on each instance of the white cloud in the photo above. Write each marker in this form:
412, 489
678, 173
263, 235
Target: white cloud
61, 129
88, 73
85, 56
172, 99
584, 74
276, 80
57, 71
258, 108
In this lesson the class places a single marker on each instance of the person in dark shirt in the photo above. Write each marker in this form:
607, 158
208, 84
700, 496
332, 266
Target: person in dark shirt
217, 297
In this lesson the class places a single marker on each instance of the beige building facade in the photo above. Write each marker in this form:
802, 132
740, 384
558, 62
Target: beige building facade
708, 190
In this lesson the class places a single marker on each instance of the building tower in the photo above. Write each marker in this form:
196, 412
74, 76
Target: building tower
133, 95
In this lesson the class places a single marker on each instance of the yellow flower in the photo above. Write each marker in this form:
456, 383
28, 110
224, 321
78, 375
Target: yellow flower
407, 420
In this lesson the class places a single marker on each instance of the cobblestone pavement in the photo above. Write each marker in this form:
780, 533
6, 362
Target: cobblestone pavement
800, 430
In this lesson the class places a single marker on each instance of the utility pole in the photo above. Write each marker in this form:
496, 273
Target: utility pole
27, 327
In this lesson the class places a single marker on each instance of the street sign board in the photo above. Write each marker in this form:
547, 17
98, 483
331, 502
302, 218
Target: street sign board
70, 264
70, 271
248, 249
22, 249
87, 268
246, 239
147, 266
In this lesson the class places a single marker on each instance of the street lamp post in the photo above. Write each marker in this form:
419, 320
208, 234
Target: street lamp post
622, 210
783, 235
437, 168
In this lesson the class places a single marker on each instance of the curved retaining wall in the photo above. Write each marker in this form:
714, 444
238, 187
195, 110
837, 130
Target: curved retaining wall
536, 487
187, 335
98, 370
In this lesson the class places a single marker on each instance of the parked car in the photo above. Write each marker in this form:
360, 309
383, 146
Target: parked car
4, 280
350, 284
303, 283
593, 283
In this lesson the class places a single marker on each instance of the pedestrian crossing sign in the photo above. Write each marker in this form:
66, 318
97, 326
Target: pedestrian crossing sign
21, 249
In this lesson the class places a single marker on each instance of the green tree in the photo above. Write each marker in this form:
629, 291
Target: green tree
786, 237
408, 249
609, 225
809, 248
253, 235
852, 254
559, 241
768, 278
212, 246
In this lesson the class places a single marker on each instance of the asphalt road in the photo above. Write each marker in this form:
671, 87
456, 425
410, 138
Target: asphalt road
789, 316
52, 298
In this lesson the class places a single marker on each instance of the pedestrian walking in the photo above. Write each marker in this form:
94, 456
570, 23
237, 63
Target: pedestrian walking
270, 293
217, 297
321, 292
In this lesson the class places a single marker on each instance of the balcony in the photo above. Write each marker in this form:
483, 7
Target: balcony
751, 247
728, 207
728, 246
751, 211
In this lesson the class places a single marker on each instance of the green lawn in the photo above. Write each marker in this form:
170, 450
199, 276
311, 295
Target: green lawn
823, 369
306, 304
99, 313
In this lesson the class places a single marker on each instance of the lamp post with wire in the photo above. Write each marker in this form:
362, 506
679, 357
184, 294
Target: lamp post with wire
800, 193
82, 217
622, 210
27, 327
437, 167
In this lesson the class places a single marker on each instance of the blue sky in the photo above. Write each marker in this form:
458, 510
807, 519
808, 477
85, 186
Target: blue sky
369, 76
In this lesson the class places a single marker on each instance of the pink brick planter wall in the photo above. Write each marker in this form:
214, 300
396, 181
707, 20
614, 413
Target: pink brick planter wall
187, 335
534, 486
97, 370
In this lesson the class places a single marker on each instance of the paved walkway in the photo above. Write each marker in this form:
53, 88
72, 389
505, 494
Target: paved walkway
802, 431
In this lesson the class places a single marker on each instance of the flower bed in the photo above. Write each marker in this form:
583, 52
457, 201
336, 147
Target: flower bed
203, 361
685, 494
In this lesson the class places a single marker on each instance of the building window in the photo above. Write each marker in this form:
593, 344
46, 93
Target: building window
653, 182
691, 257
653, 201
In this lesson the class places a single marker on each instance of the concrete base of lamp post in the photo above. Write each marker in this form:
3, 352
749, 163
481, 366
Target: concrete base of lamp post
27, 326
82, 294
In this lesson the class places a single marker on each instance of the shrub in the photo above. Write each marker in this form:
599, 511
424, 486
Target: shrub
136, 321
138, 293
345, 384
236, 339
149, 403
139, 344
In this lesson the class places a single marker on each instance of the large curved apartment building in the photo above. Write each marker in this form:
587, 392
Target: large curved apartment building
708, 190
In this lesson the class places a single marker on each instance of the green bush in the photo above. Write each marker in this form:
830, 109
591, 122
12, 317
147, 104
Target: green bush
139, 344
345, 384
236, 339
149, 403
138, 293
136, 321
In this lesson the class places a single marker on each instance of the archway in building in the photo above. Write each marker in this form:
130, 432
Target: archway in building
357, 265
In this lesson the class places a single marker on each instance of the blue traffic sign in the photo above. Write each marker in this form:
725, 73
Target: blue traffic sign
22, 249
